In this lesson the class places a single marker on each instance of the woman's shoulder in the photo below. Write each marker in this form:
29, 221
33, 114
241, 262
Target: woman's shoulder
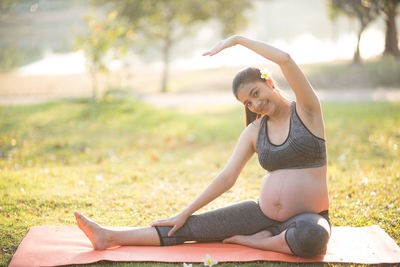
255, 125
251, 131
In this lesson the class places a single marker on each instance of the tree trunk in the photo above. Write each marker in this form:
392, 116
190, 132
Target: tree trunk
391, 41
166, 60
167, 44
357, 57
93, 74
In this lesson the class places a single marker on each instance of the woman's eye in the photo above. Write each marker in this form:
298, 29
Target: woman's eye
255, 94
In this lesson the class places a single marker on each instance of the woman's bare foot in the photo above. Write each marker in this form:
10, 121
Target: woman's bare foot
96, 234
236, 239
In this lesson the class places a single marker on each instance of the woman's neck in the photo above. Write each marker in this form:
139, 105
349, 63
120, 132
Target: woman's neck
282, 112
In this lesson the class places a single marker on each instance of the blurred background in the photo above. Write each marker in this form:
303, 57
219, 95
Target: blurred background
61, 49
141, 117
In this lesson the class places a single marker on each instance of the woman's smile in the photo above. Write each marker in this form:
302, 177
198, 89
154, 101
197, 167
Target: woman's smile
264, 107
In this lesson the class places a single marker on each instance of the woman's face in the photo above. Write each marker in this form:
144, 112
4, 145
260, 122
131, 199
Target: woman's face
259, 97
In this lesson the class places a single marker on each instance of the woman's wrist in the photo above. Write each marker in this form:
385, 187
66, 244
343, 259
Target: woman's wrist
186, 213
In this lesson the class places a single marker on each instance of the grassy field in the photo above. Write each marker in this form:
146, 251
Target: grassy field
113, 161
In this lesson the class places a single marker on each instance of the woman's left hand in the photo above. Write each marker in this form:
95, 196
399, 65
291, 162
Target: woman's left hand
176, 222
231, 41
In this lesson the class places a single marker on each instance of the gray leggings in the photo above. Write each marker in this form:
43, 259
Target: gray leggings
306, 235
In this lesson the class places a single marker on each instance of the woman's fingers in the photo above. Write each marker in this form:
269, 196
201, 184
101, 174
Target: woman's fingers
176, 222
216, 49
211, 52
173, 230
166, 223
221, 46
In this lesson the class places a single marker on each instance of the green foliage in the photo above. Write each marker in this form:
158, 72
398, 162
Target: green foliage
104, 38
364, 10
13, 57
126, 163
10, 58
231, 15
154, 18
163, 23
7, 6
388, 6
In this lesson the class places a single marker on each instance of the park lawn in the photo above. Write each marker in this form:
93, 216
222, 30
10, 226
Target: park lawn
126, 163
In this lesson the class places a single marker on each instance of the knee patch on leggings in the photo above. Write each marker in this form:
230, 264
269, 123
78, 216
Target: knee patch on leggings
308, 236
165, 240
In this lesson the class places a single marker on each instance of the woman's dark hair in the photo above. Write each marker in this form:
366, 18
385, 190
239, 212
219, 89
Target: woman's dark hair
243, 77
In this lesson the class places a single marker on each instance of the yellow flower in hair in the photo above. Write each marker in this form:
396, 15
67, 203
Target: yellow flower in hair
265, 74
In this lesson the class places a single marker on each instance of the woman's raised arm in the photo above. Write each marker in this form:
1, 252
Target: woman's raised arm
305, 95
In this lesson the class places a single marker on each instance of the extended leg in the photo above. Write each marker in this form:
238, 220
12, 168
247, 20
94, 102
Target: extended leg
102, 237
262, 240
243, 218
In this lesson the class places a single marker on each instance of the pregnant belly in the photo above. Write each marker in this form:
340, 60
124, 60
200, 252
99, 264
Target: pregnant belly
285, 193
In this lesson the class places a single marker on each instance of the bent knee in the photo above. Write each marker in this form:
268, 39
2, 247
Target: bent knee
307, 238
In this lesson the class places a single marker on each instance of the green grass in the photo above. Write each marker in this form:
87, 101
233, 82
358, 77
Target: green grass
126, 163
373, 73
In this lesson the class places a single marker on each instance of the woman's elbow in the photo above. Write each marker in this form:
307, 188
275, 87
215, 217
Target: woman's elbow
228, 180
285, 58
230, 184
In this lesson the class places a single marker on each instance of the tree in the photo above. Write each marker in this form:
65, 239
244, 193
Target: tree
163, 23
364, 10
389, 9
103, 37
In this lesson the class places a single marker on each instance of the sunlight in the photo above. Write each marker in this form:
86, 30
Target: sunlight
56, 64
305, 49
372, 43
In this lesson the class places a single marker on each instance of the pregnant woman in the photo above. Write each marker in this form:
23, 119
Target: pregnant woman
291, 215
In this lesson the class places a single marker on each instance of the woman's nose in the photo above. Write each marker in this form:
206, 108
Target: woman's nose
256, 104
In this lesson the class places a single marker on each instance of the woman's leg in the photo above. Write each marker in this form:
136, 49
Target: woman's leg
303, 235
102, 237
243, 218
308, 234
264, 240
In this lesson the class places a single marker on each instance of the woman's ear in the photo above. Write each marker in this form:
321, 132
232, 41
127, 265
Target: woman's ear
270, 83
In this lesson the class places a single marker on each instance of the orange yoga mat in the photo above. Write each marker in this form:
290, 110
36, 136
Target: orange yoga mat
62, 245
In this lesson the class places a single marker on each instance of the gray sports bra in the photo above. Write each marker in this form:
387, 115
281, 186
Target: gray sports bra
301, 149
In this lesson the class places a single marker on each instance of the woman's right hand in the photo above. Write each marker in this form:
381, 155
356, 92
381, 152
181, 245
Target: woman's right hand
231, 41
176, 222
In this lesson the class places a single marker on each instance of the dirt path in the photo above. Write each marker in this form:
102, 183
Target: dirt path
217, 98
226, 98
